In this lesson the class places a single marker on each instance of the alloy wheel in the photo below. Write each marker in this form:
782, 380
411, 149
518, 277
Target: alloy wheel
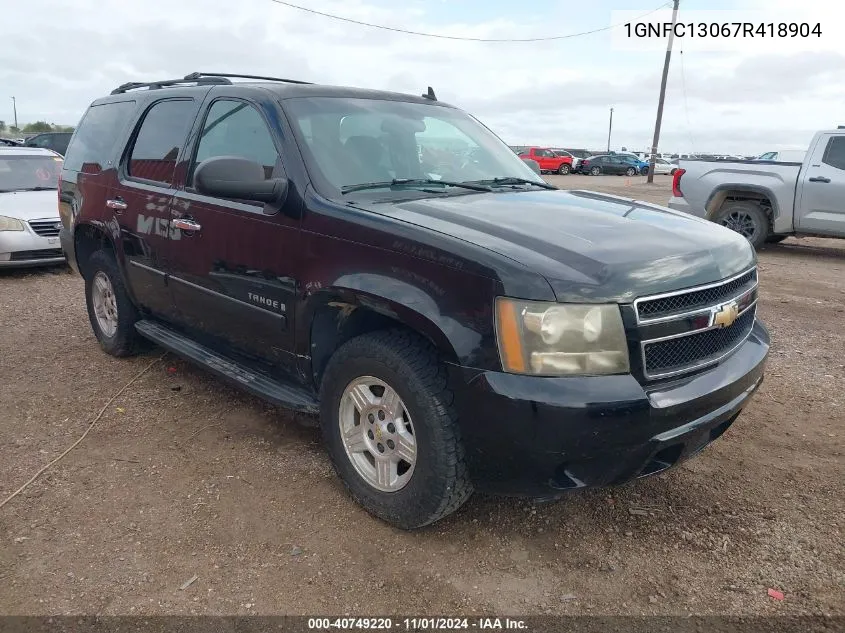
377, 433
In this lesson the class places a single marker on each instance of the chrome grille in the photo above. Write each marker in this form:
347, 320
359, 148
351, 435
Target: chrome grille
683, 331
697, 349
46, 228
691, 300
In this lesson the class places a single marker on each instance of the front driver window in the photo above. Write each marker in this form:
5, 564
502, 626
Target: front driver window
234, 128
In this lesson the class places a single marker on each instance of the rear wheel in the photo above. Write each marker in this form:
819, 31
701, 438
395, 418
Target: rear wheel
595, 171
110, 310
747, 219
563, 169
390, 429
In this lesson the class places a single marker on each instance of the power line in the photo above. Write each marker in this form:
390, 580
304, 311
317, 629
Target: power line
455, 37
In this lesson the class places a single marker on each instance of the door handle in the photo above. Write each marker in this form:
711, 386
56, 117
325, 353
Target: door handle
117, 204
819, 179
185, 224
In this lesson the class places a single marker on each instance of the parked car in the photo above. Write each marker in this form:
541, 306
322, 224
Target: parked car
9, 142
575, 160
56, 141
29, 217
768, 202
470, 329
663, 167
548, 160
784, 156
609, 164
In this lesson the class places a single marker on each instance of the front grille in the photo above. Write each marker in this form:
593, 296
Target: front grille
46, 253
46, 228
688, 352
689, 301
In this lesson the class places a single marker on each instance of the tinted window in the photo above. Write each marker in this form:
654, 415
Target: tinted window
834, 154
99, 130
234, 128
159, 140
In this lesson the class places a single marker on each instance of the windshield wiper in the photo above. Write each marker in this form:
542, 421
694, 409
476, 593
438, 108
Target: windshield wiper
513, 180
412, 182
40, 189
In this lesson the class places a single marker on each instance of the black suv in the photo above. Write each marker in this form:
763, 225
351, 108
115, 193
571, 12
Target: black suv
386, 261
56, 141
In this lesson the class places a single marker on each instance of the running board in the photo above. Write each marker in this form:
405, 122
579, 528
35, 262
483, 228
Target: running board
263, 386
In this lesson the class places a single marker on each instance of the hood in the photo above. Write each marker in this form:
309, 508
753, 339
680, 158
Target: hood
589, 246
30, 205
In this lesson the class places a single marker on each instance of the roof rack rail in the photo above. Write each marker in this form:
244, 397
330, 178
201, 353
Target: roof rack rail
199, 76
155, 85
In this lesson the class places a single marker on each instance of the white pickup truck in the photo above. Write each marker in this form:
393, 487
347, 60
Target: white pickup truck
766, 201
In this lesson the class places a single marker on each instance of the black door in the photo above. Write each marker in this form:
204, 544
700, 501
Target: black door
141, 198
232, 270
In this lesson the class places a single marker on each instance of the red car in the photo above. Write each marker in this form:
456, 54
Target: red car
548, 160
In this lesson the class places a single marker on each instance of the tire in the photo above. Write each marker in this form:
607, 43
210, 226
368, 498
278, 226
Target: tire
123, 340
747, 219
563, 170
595, 171
438, 482
630, 172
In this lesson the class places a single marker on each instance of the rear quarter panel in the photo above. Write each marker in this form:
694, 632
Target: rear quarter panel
704, 181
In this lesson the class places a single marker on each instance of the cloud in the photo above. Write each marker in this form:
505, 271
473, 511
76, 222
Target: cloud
552, 93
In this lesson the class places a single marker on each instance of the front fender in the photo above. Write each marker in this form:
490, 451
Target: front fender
459, 336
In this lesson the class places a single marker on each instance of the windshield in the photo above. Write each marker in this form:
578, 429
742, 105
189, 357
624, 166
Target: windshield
351, 142
28, 173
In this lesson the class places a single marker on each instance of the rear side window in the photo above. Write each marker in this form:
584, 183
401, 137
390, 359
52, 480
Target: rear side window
834, 153
93, 144
162, 135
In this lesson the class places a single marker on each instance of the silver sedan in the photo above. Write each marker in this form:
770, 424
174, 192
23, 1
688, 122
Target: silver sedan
29, 208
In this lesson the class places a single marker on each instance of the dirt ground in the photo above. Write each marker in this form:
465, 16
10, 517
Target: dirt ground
207, 482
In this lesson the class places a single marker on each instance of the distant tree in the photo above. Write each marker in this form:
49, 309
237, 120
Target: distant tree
37, 127
2, 126
14, 130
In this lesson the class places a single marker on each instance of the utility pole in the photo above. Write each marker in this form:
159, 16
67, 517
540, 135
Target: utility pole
659, 121
15, 108
609, 130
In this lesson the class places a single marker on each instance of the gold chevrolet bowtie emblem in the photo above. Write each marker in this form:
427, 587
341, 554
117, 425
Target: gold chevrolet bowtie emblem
725, 315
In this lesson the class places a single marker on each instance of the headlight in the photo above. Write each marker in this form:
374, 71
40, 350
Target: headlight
555, 339
10, 224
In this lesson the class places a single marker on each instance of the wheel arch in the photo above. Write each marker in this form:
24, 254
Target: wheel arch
89, 238
332, 316
743, 192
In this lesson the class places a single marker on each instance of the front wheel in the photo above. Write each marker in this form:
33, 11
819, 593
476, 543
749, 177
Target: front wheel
630, 172
110, 310
563, 170
595, 171
390, 429
747, 219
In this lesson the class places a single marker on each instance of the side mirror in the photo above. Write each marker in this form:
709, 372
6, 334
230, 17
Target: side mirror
533, 164
240, 178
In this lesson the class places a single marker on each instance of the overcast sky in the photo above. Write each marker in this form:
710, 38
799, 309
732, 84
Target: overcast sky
56, 56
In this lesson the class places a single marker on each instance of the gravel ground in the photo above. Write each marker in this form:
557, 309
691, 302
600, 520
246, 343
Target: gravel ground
207, 482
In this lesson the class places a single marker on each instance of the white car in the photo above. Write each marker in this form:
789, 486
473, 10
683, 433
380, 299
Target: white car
663, 166
29, 208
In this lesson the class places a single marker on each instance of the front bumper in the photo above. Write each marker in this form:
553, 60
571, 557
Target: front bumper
27, 248
536, 436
